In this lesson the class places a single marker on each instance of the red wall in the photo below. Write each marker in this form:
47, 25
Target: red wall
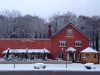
20, 43
51, 44
62, 35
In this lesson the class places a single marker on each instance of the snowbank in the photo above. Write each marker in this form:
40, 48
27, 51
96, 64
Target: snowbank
51, 67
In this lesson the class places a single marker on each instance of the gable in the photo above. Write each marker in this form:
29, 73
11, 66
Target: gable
63, 31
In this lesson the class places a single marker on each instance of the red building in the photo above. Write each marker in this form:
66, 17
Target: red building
66, 44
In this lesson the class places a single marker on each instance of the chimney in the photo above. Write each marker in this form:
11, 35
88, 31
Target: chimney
49, 31
56, 27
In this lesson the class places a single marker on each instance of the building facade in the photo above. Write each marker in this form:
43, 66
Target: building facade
89, 55
66, 44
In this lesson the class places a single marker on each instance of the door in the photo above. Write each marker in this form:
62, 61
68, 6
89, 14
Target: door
71, 56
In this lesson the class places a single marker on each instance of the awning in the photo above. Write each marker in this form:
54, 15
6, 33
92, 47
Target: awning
71, 49
26, 50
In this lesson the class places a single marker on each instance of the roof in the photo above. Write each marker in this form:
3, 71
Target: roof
24, 39
89, 50
26, 51
71, 49
73, 27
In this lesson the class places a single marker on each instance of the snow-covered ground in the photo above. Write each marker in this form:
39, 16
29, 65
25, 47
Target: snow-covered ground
51, 67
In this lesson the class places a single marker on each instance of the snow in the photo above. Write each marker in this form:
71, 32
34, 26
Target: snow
39, 65
88, 49
90, 65
26, 50
49, 67
71, 49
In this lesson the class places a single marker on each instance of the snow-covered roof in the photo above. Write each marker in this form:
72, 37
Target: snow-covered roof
71, 49
38, 51
26, 50
89, 50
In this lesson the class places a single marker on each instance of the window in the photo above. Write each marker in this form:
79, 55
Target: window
59, 55
62, 43
94, 55
87, 56
78, 43
69, 32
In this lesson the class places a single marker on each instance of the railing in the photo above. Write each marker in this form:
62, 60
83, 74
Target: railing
49, 61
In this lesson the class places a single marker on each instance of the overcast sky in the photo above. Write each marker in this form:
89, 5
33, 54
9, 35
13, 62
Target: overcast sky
47, 8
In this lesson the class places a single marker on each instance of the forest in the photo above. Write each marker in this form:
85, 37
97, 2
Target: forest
14, 25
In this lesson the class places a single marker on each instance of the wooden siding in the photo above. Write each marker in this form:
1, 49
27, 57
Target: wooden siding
93, 58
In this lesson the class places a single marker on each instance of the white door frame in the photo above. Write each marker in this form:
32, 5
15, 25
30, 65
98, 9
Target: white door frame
68, 57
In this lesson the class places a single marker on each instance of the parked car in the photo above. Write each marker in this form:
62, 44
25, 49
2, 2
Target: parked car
39, 66
90, 66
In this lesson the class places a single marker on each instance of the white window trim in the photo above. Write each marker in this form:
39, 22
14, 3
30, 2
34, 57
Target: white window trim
63, 43
71, 33
78, 41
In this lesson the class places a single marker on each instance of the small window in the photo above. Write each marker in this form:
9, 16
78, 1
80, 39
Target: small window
78, 43
87, 56
94, 55
62, 43
69, 32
